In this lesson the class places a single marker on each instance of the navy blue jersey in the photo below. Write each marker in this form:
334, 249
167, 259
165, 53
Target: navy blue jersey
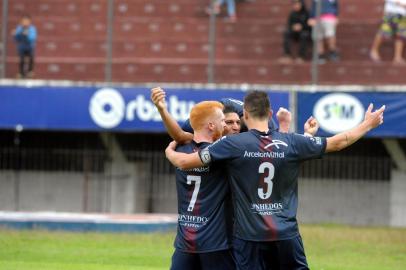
263, 169
238, 107
202, 220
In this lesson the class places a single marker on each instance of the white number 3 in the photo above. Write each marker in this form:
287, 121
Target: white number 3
198, 180
267, 179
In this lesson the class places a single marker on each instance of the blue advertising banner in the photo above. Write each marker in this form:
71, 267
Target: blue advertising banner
337, 112
97, 109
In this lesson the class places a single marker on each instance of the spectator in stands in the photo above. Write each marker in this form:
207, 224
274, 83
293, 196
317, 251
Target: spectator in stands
393, 26
25, 36
297, 30
231, 11
326, 30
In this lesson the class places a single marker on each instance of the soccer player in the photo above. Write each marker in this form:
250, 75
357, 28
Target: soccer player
202, 239
232, 121
263, 166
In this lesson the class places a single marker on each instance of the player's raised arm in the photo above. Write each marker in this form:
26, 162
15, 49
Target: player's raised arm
284, 118
311, 127
181, 160
345, 139
173, 128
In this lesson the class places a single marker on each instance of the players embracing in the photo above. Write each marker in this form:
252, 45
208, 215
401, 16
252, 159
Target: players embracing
262, 167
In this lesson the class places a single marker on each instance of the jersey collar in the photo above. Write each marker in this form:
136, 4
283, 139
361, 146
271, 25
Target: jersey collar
255, 131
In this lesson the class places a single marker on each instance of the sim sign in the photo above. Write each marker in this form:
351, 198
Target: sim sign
339, 111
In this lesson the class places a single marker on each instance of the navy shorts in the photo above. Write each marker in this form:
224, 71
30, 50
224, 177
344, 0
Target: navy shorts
217, 260
275, 255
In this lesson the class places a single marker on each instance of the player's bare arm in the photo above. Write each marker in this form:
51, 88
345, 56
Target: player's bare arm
345, 139
181, 160
174, 130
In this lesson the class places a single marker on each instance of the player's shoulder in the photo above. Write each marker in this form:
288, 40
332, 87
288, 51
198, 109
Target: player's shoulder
183, 147
299, 139
232, 139
286, 137
240, 137
246, 137
191, 147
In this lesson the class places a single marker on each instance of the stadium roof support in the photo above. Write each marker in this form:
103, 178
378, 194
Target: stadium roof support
395, 150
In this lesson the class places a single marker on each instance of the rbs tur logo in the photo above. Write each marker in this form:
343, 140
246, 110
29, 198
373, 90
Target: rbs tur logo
338, 112
108, 108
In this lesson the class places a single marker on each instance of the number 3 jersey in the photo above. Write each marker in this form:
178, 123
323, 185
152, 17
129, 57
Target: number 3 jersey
203, 196
263, 169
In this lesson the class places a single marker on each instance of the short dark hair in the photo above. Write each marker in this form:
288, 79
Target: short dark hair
257, 104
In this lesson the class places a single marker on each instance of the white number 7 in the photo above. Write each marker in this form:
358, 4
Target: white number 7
198, 180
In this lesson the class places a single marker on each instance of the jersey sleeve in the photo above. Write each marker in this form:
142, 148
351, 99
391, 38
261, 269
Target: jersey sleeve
237, 105
222, 149
303, 147
187, 127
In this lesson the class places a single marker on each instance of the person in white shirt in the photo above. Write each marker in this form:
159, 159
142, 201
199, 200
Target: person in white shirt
393, 27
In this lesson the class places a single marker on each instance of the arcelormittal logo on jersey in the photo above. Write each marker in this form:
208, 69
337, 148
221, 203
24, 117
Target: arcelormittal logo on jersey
108, 108
338, 112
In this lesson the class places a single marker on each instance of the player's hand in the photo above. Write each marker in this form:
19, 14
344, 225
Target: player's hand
284, 118
158, 98
170, 148
311, 126
172, 145
374, 119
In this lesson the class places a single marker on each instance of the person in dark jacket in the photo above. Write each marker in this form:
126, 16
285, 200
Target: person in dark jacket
25, 36
297, 30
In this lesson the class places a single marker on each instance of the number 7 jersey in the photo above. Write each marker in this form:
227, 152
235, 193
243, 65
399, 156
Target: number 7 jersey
203, 196
263, 169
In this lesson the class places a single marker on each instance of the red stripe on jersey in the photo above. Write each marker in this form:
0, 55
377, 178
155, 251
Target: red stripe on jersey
268, 220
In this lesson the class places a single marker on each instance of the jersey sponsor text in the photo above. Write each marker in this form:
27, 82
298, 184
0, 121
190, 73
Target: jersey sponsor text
267, 209
192, 221
264, 154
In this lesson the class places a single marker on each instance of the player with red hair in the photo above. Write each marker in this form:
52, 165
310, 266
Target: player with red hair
202, 240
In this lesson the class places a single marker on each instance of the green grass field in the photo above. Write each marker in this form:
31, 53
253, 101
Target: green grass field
328, 247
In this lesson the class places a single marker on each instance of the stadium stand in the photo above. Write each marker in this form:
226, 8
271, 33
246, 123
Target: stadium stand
167, 41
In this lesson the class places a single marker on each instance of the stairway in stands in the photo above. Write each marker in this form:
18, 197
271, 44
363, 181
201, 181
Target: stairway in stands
167, 41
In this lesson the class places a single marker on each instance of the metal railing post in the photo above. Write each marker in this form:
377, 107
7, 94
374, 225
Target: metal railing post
109, 41
315, 58
3, 48
212, 44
